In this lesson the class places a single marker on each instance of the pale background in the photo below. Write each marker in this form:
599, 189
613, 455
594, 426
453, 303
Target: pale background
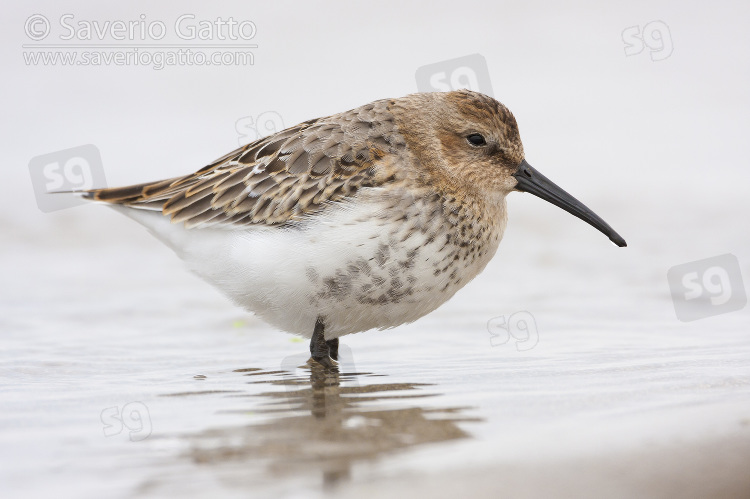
617, 395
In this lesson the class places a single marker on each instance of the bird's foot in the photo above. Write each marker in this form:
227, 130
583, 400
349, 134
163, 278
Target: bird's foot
325, 353
326, 362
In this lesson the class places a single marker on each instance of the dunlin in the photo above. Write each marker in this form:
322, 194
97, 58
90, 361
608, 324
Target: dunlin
365, 219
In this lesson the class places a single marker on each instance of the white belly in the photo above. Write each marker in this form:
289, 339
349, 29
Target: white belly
357, 267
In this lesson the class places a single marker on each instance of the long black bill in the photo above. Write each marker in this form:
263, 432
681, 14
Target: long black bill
531, 181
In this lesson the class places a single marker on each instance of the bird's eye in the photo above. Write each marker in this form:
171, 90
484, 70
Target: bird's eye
476, 139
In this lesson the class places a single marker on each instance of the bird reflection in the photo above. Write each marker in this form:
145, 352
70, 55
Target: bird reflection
320, 421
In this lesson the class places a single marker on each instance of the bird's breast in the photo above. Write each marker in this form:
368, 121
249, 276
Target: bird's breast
378, 261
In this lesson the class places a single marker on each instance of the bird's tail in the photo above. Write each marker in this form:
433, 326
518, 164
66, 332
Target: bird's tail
147, 196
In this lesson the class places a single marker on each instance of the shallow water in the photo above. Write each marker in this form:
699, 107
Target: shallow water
124, 375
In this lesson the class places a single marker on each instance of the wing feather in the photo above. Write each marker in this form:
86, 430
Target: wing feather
279, 178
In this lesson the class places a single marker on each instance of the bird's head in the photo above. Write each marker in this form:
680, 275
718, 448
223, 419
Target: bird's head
469, 139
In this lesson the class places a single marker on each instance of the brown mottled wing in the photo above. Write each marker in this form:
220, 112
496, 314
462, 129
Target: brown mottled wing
277, 179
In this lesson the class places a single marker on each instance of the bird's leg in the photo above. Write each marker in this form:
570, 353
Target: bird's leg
319, 348
333, 348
